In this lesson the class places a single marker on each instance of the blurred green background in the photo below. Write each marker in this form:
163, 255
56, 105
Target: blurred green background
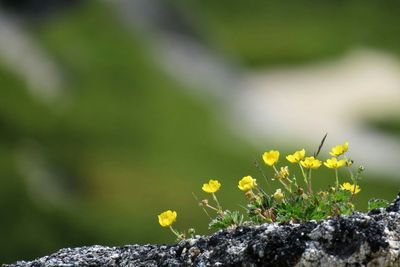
126, 141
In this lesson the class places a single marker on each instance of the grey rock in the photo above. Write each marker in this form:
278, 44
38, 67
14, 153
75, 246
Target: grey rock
360, 239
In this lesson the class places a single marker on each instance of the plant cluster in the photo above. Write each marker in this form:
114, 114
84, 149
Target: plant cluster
295, 201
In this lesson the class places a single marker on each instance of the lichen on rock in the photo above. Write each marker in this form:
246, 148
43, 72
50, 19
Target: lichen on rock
359, 239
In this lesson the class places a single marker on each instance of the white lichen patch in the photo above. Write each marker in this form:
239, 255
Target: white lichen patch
314, 256
271, 227
237, 249
322, 231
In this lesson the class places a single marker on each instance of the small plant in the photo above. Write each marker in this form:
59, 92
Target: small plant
295, 201
377, 203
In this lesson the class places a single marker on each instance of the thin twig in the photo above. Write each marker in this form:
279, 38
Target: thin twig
257, 165
321, 145
205, 211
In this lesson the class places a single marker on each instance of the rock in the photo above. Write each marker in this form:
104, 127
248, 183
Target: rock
395, 206
360, 239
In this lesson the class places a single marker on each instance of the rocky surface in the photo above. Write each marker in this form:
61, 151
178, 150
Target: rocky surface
358, 240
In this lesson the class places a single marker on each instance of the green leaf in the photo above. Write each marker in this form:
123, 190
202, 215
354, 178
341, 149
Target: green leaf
376, 203
227, 219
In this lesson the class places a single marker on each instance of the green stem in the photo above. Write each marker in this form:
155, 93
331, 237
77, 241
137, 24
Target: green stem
174, 231
197, 199
205, 211
295, 182
258, 189
290, 184
337, 178
213, 208
261, 171
285, 185
276, 170
309, 182
304, 174
216, 201
350, 171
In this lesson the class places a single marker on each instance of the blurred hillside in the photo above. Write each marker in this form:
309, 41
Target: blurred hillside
120, 140
277, 33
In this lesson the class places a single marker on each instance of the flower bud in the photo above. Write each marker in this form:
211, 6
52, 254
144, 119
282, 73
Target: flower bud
257, 211
278, 195
322, 193
300, 191
250, 195
349, 162
204, 202
283, 173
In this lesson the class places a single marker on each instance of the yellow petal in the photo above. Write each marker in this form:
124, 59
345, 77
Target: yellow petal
271, 157
167, 218
247, 183
211, 187
291, 158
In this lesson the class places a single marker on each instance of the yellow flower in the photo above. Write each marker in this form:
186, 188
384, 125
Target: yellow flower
211, 187
296, 156
278, 195
283, 173
311, 163
271, 157
167, 218
333, 163
247, 183
350, 187
339, 149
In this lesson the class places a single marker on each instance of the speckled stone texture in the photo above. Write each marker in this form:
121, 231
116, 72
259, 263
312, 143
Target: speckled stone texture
358, 240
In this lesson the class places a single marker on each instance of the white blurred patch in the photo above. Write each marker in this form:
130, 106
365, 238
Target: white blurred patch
21, 55
302, 103
44, 184
292, 106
